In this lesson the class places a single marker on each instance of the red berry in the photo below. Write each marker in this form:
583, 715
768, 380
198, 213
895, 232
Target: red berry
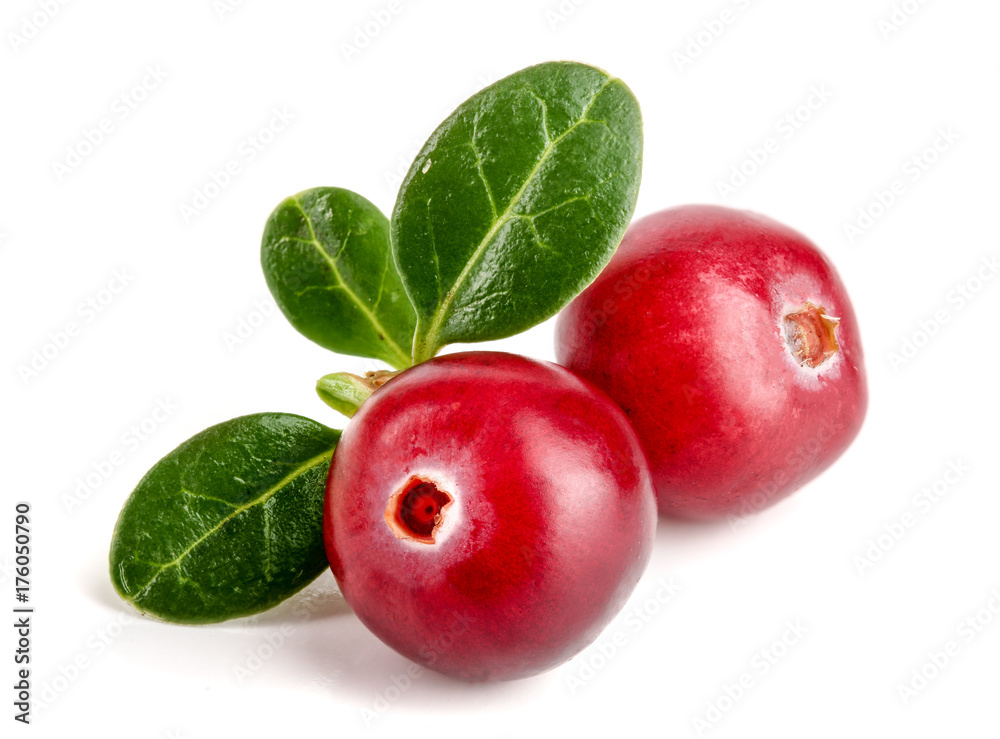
487, 515
731, 344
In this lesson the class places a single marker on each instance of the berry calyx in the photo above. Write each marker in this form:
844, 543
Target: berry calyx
416, 510
811, 335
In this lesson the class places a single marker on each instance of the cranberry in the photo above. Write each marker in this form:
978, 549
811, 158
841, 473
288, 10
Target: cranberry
487, 515
731, 344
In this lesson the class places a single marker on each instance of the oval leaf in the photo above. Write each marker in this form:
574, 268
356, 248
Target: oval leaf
329, 266
229, 523
516, 202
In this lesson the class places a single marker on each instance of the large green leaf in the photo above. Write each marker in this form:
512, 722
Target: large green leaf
328, 263
229, 523
516, 202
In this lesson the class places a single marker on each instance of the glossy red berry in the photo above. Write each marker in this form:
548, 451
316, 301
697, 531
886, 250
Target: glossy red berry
487, 515
731, 344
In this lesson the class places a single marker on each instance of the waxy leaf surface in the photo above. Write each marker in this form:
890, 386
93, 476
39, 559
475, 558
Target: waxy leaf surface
328, 263
229, 523
516, 202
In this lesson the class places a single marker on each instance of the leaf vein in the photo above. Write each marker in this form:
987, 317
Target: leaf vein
434, 251
545, 113
206, 497
532, 216
538, 237
381, 282
479, 165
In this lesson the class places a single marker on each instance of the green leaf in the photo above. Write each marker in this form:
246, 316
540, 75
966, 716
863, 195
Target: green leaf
346, 393
329, 266
516, 202
229, 523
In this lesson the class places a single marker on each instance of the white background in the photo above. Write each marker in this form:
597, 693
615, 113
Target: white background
358, 119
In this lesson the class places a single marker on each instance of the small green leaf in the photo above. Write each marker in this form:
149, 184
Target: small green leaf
329, 266
346, 393
516, 202
229, 523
